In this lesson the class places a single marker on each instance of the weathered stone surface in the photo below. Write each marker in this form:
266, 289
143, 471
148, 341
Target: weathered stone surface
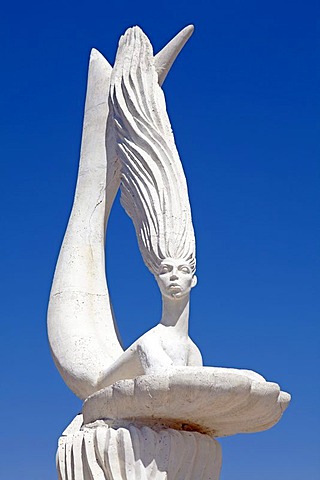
150, 412
132, 453
215, 401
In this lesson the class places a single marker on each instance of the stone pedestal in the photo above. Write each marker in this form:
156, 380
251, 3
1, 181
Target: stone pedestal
162, 427
101, 452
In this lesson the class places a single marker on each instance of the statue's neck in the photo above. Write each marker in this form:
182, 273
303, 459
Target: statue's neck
175, 313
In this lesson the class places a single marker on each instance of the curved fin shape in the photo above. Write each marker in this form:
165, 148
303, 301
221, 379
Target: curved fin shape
81, 328
165, 58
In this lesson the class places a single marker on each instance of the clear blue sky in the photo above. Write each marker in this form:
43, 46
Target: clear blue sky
243, 99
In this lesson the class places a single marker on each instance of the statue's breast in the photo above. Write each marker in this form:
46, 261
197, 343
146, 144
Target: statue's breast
175, 346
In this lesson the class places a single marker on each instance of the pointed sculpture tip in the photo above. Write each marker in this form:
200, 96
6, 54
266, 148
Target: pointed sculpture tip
185, 33
165, 58
189, 29
95, 54
98, 66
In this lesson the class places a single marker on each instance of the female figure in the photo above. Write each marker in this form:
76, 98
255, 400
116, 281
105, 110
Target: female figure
154, 194
138, 153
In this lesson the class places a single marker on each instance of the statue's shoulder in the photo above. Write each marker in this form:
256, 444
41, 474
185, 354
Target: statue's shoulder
150, 336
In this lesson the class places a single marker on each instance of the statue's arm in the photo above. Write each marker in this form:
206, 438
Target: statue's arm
153, 357
146, 356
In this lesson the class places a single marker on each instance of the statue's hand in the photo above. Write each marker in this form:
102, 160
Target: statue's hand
152, 356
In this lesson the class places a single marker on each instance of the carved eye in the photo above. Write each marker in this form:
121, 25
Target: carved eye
164, 269
184, 269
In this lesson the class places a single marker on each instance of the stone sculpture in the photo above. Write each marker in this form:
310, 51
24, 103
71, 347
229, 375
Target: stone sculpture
151, 411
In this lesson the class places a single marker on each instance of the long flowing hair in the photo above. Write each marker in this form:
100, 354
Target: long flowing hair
153, 186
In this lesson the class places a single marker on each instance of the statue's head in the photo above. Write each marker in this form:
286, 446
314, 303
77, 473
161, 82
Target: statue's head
175, 278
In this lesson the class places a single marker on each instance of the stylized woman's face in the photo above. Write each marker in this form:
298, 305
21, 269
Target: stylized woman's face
175, 278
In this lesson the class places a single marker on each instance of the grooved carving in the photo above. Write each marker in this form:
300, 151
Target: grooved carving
104, 453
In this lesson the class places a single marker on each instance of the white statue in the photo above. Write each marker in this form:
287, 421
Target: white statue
154, 194
156, 390
81, 326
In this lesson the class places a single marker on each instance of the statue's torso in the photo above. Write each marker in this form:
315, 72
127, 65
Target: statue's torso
166, 346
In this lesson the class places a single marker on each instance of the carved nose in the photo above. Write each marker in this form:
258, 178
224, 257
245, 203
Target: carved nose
174, 277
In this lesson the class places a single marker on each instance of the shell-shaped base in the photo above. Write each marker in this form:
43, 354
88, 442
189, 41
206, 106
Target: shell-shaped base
214, 401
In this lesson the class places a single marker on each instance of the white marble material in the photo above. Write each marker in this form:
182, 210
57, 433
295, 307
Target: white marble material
150, 411
154, 194
211, 400
132, 453
81, 327
153, 185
